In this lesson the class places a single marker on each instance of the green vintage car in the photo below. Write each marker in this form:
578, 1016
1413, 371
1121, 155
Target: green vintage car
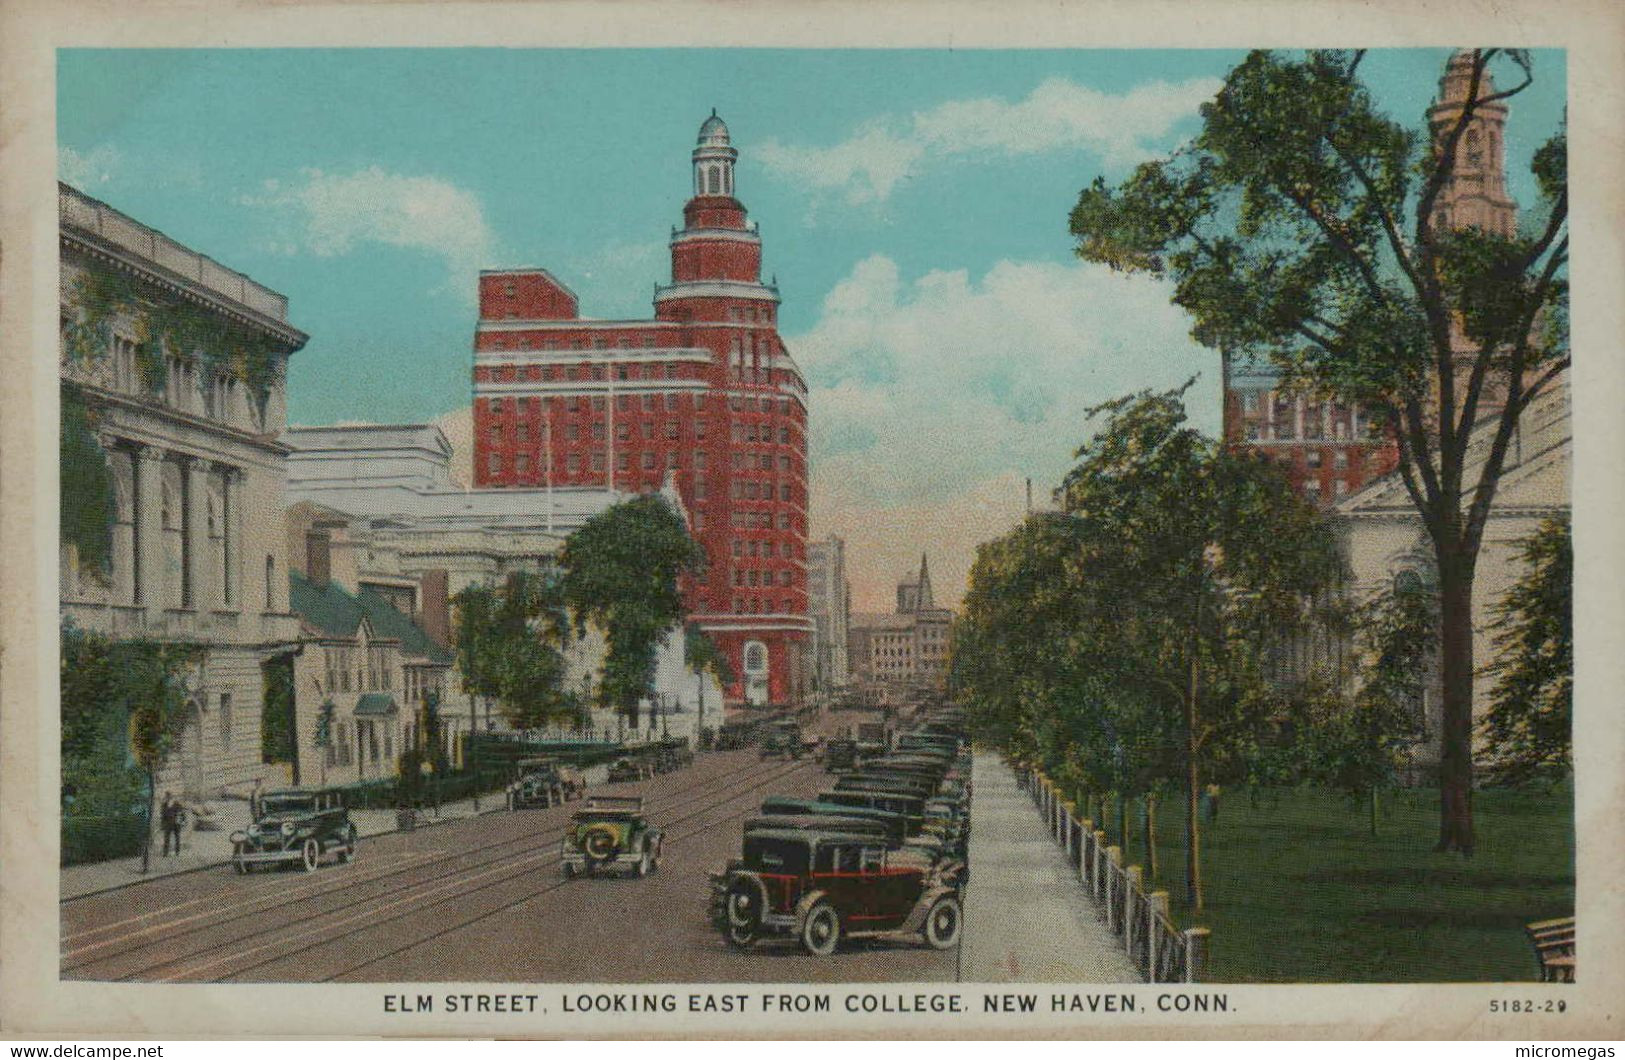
611, 832
296, 827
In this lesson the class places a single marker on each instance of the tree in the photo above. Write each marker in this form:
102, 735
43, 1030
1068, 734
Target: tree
509, 640
1528, 730
623, 572
141, 681
86, 494
277, 741
1123, 643
1302, 227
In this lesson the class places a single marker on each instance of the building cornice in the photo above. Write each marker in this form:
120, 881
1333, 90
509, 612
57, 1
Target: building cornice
108, 252
757, 292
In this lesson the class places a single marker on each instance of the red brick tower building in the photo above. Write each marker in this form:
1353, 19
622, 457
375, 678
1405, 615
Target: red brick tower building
705, 394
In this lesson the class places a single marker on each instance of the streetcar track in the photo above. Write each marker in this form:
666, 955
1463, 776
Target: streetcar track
439, 888
317, 891
505, 907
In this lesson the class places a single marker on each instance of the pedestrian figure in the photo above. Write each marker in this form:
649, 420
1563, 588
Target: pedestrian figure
170, 817
254, 800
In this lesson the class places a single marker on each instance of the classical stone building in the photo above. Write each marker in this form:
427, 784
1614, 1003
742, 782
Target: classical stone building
180, 363
829, 598
704, 395
908, 646
1386, 544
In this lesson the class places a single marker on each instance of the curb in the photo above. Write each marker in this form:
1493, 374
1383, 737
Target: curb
222, 864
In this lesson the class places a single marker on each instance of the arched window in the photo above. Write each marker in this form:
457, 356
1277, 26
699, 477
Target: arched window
728, 180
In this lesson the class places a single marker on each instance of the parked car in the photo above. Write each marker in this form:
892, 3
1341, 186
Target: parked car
631, 767
840, 755
820, 887
544, 782
782, 739
296, 827
673, 755
734, 734
610, 832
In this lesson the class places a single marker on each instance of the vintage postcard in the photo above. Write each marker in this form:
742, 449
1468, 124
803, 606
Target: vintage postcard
813, 521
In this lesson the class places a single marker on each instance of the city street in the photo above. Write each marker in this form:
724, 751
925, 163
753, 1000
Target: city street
482, 899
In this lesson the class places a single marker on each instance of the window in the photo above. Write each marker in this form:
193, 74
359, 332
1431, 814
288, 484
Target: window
521, 463
494, 463
1340, 459
573, 463
1340, 488
598, 403
1314, 458
784, 520
598, 432
671, 430
270, 582
648, 403
671, 460
784, 436
623, 403
699, 460
648, 431
573, 432
699, 493
623, 432
623, 461
523, 432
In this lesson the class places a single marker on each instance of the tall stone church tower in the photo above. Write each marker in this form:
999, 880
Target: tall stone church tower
1476, 194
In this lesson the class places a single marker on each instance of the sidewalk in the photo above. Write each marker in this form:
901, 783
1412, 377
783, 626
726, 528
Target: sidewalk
1027, 917
203, 849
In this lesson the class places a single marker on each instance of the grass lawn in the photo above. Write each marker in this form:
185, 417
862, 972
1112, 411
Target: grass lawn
1298, 890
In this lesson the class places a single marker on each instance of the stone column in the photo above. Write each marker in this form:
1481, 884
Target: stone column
123, 543
198, 569
231, 591
148, 467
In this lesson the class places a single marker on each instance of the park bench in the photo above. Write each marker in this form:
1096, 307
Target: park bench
1554, 948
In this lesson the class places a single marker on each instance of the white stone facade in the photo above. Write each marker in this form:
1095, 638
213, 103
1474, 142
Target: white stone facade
829, 601
197, 538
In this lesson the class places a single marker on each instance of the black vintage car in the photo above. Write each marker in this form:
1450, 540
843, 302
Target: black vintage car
782, 739
819, 887
840, 755
296, 827
544, 782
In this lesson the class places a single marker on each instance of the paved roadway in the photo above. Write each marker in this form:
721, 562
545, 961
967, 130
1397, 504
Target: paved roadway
478, 900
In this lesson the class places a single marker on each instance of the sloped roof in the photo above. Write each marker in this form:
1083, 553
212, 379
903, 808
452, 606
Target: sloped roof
375, 703
331, 610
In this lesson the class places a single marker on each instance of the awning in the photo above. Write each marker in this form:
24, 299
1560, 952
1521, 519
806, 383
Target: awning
374, 703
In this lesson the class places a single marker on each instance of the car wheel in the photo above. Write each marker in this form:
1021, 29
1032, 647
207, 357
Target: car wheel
742, 910
821, 931
347, 851
311, 855
942, 923
237, 863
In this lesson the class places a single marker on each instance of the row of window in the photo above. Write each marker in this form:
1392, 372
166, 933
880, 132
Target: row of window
672, 402
599, 342
752, 578
756, 605
372, 673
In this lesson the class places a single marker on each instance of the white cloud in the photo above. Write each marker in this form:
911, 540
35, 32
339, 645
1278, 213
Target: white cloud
932, 399
336, 212
1057, 115
86, 169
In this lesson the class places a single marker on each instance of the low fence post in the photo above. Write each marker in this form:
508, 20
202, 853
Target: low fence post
1114, 863
1100, 859
1131, 887
1086, 854
1156, 904
1196, 939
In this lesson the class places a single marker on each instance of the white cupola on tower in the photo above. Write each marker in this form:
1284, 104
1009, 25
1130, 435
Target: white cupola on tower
714, 158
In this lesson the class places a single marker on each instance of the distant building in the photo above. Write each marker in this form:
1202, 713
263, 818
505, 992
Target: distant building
704, 395
373, 508
908, 646
829, 600
181, 364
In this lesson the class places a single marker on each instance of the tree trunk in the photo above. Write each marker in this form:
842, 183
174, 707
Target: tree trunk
1193, 832
1456, 728
1122, 823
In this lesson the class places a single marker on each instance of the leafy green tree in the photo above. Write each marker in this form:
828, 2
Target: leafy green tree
623, 572
277, 739
509, 640
139, 682
1301, 227
704, 656
1529, 728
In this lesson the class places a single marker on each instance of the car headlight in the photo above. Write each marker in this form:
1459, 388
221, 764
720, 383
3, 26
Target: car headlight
287, 828
239, 837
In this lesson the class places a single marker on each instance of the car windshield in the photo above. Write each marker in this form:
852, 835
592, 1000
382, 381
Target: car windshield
775, 855
287, 804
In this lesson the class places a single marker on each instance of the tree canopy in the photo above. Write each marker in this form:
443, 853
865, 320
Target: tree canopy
509, 641
624, 572
1305, 229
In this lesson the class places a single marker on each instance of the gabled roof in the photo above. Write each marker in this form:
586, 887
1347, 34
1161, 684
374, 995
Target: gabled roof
332, 611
